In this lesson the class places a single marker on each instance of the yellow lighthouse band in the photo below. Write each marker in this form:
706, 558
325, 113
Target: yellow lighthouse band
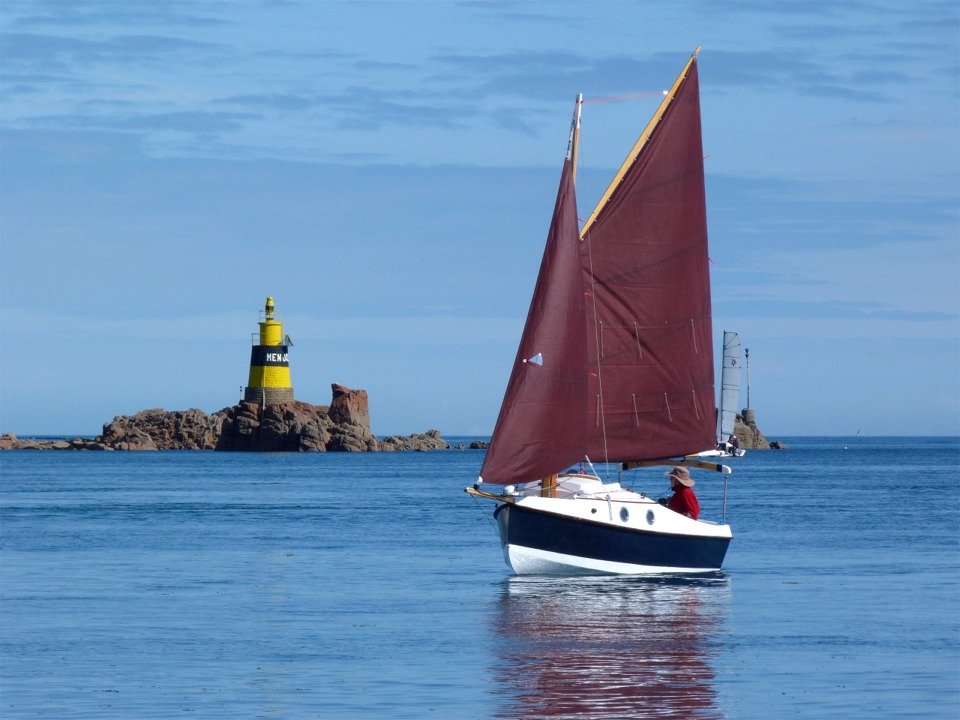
269, 380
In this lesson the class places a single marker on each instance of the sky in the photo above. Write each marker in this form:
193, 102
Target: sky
386, 171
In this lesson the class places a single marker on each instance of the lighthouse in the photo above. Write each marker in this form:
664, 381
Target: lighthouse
269, 382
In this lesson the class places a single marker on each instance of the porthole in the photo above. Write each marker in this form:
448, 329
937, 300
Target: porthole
650, 517
624, 514
593, 510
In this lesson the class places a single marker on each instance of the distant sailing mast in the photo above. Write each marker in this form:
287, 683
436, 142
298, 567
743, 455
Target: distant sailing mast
746, 352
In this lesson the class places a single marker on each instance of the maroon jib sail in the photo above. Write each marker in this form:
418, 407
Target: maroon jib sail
539, 429
623, 327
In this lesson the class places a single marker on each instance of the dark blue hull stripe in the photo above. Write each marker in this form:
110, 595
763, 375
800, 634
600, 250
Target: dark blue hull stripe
583, 538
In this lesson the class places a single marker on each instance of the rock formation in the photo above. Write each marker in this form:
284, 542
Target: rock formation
430, 440
158, 429
9, 441
287, 427
749, 435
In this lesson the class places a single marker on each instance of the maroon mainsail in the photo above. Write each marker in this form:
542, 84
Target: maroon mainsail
624, 326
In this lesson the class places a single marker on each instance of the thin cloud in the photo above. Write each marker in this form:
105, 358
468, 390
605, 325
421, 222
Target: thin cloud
90, 13
55, 53
364, 108
268, 101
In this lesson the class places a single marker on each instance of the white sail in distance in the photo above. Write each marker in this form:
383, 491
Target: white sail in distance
729, 385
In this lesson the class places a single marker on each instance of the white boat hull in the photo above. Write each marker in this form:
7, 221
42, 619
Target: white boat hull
530, 561
610, 532
721, 452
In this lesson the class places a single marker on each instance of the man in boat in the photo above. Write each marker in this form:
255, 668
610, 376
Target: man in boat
684, 500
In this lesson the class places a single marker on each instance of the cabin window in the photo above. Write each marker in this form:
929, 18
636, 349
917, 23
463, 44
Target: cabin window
624, 514
650, 517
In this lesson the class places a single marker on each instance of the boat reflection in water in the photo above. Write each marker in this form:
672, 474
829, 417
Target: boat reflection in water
609, 647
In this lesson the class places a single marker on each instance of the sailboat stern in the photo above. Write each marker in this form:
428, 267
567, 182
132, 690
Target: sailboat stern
606, 536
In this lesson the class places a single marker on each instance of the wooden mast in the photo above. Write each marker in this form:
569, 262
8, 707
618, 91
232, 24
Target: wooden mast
575, 136
548, 485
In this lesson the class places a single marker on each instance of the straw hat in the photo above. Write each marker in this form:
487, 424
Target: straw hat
682, 475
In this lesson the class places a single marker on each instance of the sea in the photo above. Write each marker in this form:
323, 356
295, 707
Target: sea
369, 585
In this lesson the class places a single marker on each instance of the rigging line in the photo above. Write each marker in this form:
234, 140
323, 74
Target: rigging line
628, 96
484, 513
593, 294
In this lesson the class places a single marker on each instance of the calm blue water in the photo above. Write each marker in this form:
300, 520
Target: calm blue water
370, 586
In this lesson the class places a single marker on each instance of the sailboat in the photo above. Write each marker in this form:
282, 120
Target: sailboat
727, 443
615, 365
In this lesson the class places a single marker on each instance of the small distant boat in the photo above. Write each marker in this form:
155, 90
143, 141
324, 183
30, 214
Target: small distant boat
727, 443
616, 364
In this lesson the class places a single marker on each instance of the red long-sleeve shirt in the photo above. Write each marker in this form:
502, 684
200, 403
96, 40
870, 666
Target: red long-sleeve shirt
684, 501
